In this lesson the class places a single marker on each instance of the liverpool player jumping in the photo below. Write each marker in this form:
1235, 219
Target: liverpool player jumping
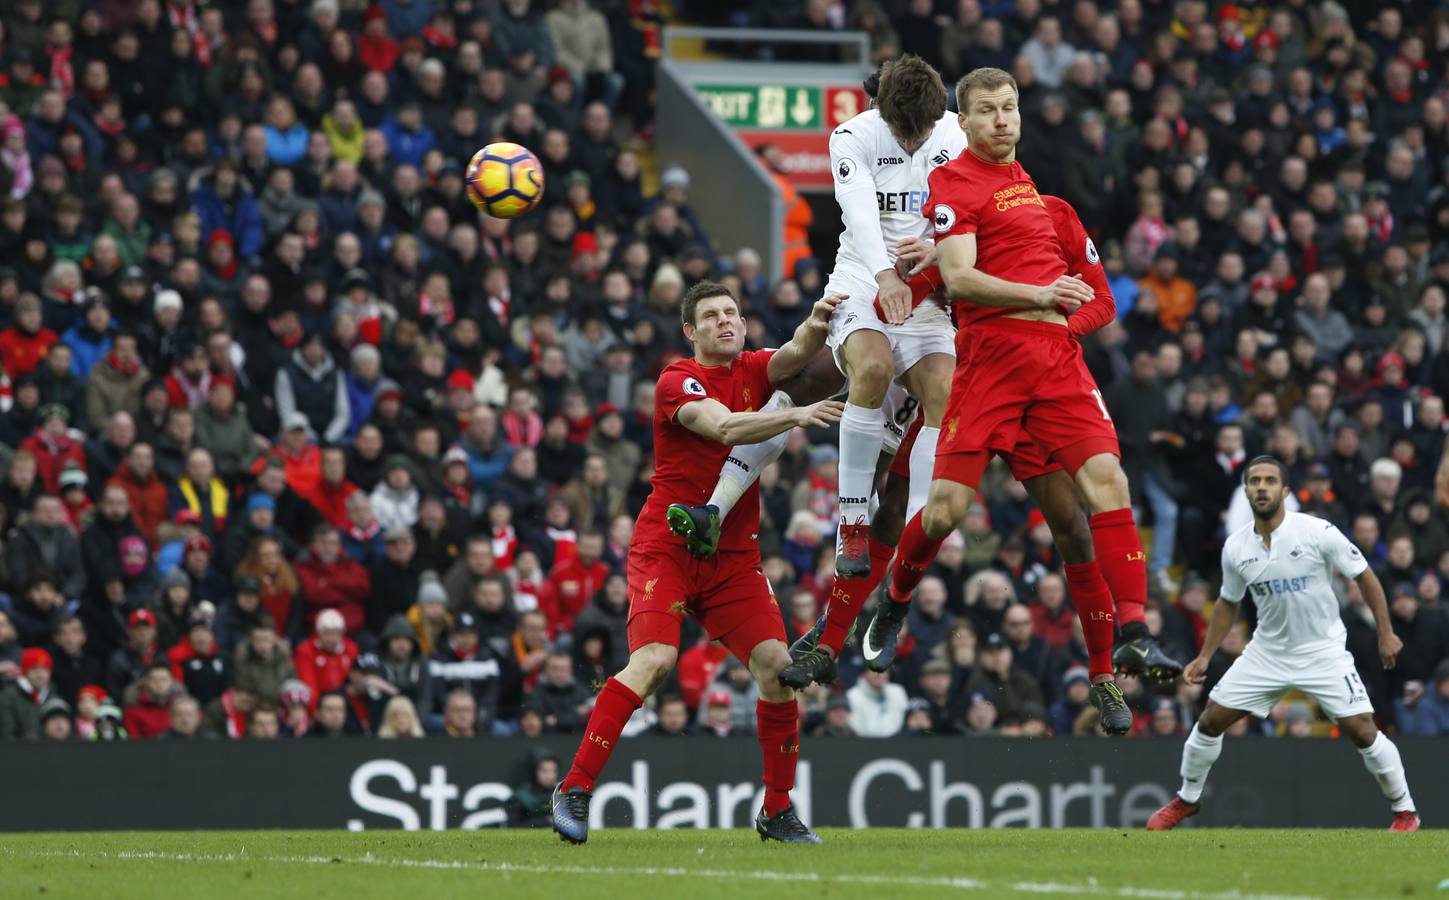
1049, 486
702, 407
1020, 372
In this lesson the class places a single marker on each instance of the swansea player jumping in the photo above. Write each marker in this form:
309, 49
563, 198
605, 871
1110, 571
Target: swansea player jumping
880, 161
702, 407
1020, 371
1287, 560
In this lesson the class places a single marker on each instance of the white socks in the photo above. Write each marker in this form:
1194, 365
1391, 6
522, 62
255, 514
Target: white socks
923, 468
1382, 760
1198, 756
862, 433
742, 466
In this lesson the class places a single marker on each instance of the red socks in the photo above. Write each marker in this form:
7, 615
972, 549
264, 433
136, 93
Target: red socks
615, 704
849, 595
1123, 564
914, 556
1094, 607
778, 726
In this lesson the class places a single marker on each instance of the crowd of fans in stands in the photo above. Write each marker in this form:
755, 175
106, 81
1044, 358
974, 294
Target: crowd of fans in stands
296, 443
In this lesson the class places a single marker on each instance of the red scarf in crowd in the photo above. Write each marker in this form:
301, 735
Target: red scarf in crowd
505, 545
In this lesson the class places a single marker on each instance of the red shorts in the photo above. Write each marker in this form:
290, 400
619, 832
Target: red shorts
1026, 460
1020, 379
727, 594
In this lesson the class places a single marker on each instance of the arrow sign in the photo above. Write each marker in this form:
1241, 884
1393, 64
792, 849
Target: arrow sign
802, 111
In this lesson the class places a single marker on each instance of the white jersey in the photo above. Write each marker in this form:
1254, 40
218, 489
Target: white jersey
882, 189
1292, 583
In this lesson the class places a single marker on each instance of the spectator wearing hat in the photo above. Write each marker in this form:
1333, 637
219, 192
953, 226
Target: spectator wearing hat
362, 380
331, 580
149, 714
836, 719
79, 510
115, 383
429, 615
44, 545
197, 661
1008, 688
128, 663
1073, 698
943, 705
323, 660
877, 706
311, 384
402, 666
22, 699
395, 500
463, 662
301, 458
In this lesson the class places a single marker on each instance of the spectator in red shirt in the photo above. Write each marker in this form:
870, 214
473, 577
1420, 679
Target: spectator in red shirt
1053, 618
300, 457
323, 661
572, 583
53, 448
26, 342
149, 501
150, 715
333, 488
332, 580
265, 562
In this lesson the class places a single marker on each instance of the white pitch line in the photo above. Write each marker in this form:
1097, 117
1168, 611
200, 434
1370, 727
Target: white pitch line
965, 884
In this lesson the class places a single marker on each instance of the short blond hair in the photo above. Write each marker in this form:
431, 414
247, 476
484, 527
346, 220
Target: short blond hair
986, 78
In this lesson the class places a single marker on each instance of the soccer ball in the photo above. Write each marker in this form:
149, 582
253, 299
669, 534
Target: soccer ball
504, 180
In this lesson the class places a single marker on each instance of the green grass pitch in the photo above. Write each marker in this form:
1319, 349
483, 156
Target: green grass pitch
880, 863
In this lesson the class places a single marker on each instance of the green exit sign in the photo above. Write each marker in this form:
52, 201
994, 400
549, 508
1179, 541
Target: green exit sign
765, 106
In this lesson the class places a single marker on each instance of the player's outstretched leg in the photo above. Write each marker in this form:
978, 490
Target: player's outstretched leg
1056, 496
700, 525
1382, 759
778, 727
620, 696
1124, 565
1202, 748
869, 366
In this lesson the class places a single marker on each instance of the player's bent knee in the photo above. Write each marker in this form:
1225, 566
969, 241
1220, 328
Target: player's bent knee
652, 663
768, 660
945, 508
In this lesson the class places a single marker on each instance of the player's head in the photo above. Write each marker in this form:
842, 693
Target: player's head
989, 112
871, 86
911, 98
1265, 478
712, 321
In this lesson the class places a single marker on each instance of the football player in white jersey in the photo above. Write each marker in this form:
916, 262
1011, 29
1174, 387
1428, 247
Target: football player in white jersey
880, 160
1287, 561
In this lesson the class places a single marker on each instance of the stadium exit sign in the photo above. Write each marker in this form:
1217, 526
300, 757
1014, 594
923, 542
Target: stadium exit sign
797, 118
777, 107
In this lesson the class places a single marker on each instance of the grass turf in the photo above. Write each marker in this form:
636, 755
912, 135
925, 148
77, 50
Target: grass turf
887, 863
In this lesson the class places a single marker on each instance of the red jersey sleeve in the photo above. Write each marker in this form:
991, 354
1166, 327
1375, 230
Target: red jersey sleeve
1082, 259
676, 387
950, 207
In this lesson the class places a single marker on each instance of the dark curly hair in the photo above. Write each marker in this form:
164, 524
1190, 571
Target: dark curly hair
911, 97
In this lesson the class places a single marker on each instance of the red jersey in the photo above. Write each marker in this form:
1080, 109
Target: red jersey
686, 465
999, 203
1082, 259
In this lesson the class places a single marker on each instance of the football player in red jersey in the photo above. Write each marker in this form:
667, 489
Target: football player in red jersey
703, 406
1019, 373
1045, 481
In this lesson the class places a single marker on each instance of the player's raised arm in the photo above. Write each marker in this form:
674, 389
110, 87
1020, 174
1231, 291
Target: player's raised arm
956, 257
805, 344
711, 419
855, 191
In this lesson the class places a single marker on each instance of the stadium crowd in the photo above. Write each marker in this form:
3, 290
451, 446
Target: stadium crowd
296, 443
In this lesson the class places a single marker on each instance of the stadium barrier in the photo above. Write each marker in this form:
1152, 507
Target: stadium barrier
695, 782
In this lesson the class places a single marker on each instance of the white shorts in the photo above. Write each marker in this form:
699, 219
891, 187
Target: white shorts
1256, 681
927, 331
899, 409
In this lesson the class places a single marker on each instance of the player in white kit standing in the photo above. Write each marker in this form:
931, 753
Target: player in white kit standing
1287, 560
880, 160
